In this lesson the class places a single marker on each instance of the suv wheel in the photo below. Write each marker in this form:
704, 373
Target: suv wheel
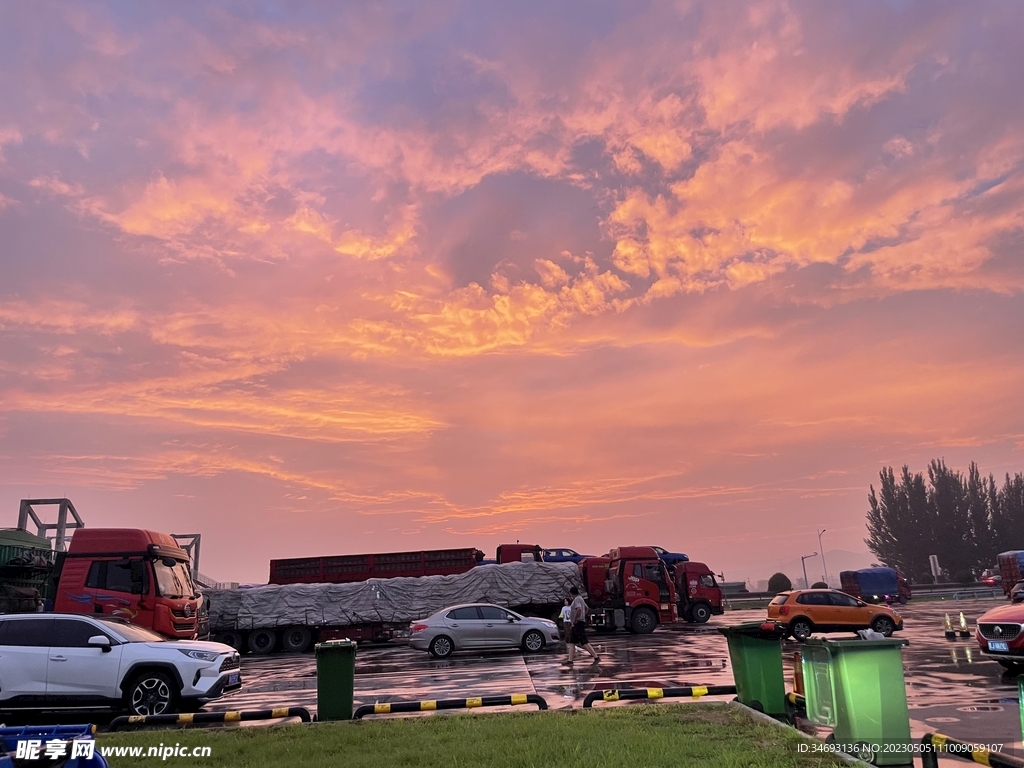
883, 625
441, 647
152, 693
801, 629
533, 641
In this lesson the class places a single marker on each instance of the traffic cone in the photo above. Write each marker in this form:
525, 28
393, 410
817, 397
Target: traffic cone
964, 631
950, 634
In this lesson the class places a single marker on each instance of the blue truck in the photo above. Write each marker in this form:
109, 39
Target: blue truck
876, 585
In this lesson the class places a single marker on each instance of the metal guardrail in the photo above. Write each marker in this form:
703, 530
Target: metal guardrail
404, 707
201, 718
934, 743
958, 591
696, 691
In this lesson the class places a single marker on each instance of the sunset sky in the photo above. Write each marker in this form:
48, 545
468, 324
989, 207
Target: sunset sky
324, 278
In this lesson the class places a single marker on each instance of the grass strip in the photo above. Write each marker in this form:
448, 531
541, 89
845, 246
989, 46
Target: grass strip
643, 735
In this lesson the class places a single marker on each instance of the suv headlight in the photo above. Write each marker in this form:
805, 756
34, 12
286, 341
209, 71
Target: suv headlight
199, 655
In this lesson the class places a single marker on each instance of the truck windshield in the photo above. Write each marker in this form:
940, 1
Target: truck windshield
173, 580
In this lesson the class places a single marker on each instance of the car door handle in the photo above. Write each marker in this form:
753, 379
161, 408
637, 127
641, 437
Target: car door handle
455, 625
58, 658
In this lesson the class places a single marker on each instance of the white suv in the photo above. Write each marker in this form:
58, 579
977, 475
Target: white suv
68, 661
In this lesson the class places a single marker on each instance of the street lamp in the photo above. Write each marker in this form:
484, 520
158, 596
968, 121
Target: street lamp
822, 550
803, 565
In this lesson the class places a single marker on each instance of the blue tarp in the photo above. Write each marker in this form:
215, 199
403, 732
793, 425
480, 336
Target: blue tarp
877, 582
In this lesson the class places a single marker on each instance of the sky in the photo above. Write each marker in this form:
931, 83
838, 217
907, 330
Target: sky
320, 278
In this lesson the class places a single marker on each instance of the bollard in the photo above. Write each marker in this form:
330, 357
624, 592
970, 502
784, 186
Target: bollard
964, 631
950, 634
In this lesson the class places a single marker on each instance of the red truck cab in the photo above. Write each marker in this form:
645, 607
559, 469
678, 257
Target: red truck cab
699, 595
629, 587
140, 576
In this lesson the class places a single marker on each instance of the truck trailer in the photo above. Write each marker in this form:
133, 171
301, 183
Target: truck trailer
1011, 568
876, 585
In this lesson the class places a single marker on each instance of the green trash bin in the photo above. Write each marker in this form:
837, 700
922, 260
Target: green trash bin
755, 651
857, 688
335, 678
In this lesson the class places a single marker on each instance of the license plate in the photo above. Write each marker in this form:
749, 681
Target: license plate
995, 645
236, 678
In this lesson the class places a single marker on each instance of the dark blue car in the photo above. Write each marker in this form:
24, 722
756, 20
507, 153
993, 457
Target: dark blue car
562, 556
671, 559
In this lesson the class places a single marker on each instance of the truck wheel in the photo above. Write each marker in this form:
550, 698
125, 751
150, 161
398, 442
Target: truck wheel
441, 647
700, 613
234, 639
883, 625
533, 641
801, 629
643, 621
262, 641
151, 693
295, 639
903, 599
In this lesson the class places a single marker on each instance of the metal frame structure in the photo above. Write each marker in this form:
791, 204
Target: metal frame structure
60, 528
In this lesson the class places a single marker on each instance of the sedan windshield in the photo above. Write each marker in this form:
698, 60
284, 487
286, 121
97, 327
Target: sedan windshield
129, 633
173, 580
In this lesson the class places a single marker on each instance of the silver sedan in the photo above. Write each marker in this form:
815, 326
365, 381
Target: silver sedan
480, 626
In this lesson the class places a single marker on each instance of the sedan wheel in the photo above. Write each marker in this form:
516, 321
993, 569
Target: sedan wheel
883, 625
152, 693
441, 647
533, 641
801, 629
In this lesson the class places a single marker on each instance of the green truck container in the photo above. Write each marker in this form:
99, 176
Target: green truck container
856, 687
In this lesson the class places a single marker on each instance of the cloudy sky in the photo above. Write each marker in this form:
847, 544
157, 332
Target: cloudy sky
322, 278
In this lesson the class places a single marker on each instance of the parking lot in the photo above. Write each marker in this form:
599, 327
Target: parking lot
951, 687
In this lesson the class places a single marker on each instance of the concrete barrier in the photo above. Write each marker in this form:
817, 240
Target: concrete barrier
405, 707
695, 691
203, 718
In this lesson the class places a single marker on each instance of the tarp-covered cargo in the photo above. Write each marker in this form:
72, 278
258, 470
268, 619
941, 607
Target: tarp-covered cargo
398, 600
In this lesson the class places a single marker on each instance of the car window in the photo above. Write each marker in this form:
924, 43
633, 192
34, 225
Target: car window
842, 600
73, 633
493, 613
779, 599
27, 632
813, 598
130, 633
464, 614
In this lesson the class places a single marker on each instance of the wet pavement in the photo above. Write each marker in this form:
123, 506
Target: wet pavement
951, 687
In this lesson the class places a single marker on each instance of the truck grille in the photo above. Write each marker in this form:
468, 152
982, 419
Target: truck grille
231, 662
999, 631
190, 627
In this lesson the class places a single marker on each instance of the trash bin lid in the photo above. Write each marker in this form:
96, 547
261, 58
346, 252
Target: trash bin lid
890, 642
764, 630
332, 646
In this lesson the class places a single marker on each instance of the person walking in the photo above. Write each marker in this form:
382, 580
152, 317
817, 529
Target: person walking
578, 621
563, 618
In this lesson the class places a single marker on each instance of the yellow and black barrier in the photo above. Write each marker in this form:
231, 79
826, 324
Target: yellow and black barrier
404, 707
932, 744
203, 718
695, 691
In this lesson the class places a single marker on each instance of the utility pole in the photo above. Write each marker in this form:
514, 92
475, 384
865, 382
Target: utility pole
803, 564
822, 550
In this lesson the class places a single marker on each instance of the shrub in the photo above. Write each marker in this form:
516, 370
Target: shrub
963, 577
819, 585
779, 582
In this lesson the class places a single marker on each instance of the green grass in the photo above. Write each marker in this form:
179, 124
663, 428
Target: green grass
638, 735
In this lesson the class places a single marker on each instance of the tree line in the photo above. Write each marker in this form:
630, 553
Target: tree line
966, 520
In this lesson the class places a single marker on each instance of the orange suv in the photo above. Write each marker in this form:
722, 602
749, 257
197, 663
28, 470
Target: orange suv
826, 610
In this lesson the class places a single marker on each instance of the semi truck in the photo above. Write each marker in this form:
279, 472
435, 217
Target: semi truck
1011, 568
345, 569
632, 588
137, 575
876, 585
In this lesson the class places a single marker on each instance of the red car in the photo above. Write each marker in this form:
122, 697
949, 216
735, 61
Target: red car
1001, 635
